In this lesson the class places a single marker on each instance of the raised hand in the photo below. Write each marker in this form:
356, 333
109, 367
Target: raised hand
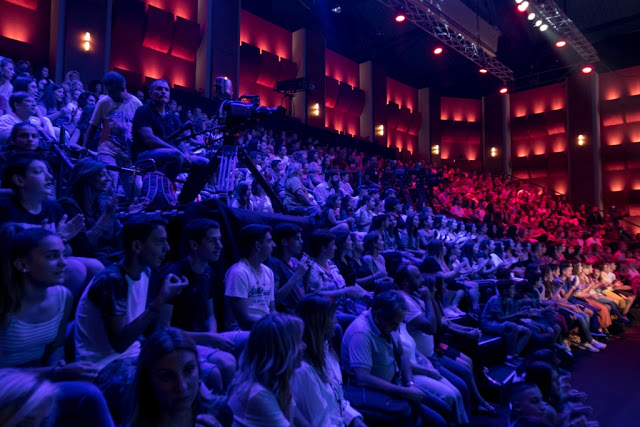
171, 287
67, 230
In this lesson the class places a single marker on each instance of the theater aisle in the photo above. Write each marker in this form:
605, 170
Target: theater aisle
611, 378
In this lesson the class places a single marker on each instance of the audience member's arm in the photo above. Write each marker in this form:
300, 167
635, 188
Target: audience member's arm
240, 309
152, 141
301, 269
364, 378
121, 334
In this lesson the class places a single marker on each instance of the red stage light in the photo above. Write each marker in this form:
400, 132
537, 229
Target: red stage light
522, 7
400, 17
483, 70
504, 90
437, 51
561, 43
587, 69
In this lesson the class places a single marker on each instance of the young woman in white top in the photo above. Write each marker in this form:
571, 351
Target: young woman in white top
317, 383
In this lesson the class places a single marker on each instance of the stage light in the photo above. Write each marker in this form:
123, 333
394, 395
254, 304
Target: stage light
519, 1
337, 9
483, 70
544, 27
401, 17
587, 69
522, 7
504, 90
531, 16
437, 51
561, 43
538, 23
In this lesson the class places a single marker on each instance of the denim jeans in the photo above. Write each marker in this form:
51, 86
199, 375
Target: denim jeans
81, 404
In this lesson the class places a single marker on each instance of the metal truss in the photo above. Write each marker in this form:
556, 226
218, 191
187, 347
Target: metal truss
564, 26
436, 24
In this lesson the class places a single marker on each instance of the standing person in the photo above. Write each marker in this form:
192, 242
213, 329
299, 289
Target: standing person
249, 284
6, 75
317, 384
168, 388
114, 112
261, 392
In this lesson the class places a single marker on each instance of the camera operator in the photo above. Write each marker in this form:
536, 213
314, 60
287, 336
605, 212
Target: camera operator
153, 123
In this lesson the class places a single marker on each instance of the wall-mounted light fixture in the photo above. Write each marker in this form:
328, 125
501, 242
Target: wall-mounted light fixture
435, 150
315, 109
87, 41
493, 152
380, 130
582, 140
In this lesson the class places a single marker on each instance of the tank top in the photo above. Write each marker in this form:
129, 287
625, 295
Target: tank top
23, 342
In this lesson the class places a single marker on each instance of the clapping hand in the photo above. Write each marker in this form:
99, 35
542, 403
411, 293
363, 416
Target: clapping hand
67, 230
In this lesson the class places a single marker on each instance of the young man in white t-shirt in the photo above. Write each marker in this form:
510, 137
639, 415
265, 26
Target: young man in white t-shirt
249, 284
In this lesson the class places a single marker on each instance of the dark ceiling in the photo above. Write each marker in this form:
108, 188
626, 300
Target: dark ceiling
365, 30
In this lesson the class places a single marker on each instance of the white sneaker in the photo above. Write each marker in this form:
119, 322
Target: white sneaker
590, 347
458, 311
450, 313
599, 345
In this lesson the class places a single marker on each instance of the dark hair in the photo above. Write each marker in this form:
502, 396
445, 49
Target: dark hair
18, 97
197, 228
390, 203
315, 310
330, 201
79, 186
341, 239
17, 165
21, 84
377, 221
18, 243
319, 239
541, 374
93, 85
388, 303
503, 285
369, 241
83, 99
16, 128
249, 235
48, 98
160, 344
401, 274
155, 83
138, 228
241, 194
113, 78
363, 201
285, 230
435, 248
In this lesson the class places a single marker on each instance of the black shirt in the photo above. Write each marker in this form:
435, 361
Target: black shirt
11, 210
190, 307
162, 127
282, 272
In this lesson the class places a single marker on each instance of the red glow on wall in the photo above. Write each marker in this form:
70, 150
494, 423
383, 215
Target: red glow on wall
265, 35
187, 9
460, 109
341, 68
539, 148
28, 4
16, 31
522, 152
614, 93
634, 132
558, 144
612, 119
616, 183
536, 101
402, 94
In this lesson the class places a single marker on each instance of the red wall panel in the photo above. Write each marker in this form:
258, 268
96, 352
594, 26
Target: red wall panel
341, 68
186, 39
24, 30
402, 94
460, 109
265, 35
158, 30
187, 9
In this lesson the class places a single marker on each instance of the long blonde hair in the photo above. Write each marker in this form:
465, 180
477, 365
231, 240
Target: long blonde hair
20, 394
270, 358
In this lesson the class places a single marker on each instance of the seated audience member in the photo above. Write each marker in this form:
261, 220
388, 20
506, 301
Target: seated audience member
23, 109
499, 318
52, 106
345, 185
331, 185
261, 202
34, 311
242, 196
353, 270
6, 75
364, 214
328, 216
260, 395
168, 387
193, 308
379, 372
296, 196
24, 138
114, 114
526, 400
288, 271
153, 124
324, 278
31, 206
25, 399
317, 384
249, 284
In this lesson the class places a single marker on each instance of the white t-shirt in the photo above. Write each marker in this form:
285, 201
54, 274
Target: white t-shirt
116, 119
92, 342
242, 281
415, 308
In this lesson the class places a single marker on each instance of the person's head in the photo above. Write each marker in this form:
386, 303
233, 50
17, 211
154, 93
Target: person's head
255, 240
373, 242
322, 243
28, 176
391, 204
22, 104
288, 238
436, 248
408, 278
294, 170
332, 202
387, 310
146, 240
274, 351
344, 244
506, 288
115, 85
52, 96
6, 69
24, 136
332, 177
379, 223
545, 377
203, 240
25, 399
25, 84
318, 314
159, 92
86, 98
526, 400
566, 269
167, 376
89, 178
34, 256
95, 86
356, 240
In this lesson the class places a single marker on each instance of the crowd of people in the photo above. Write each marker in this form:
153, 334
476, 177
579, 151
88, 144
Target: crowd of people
347, 317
